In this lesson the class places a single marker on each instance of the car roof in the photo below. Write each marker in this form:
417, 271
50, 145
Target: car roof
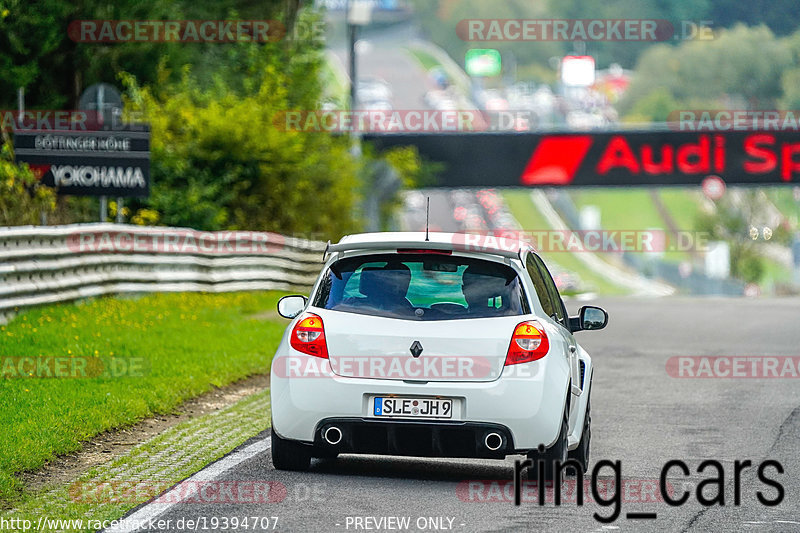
487, 243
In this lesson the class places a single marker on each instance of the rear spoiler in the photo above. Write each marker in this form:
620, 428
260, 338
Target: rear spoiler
464, 246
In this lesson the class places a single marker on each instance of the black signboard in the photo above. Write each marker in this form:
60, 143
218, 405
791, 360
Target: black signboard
89, 163
622, 158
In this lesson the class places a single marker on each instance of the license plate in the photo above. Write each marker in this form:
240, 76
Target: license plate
414, 407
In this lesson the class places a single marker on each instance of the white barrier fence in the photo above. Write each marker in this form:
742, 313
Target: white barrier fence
47, 264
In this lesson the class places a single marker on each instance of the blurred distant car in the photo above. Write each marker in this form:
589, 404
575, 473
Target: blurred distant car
582, 120
567, 281
415, 200
440, 99
491, 100
373, 89
439, 77
375, 105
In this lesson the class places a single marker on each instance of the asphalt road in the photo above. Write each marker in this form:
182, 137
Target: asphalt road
382, 54
642, 417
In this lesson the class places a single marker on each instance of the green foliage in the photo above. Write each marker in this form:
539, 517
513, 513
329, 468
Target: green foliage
220, 159
749, 266
439, 20
22, 198
626, 53
730, 223
655, 107
790, 83
779, 15
36, 51
740, 67
405, 161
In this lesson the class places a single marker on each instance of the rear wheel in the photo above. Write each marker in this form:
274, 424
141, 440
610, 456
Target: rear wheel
581, 453
556, 453
288, 454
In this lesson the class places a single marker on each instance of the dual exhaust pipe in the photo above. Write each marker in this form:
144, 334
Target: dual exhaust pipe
333, 436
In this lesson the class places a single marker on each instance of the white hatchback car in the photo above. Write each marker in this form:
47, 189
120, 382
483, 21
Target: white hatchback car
456, 346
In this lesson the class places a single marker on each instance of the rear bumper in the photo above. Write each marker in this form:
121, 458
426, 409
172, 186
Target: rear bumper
527, 407
416, 438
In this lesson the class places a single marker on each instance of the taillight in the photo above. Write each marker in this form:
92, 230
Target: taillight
528, 343
308, 336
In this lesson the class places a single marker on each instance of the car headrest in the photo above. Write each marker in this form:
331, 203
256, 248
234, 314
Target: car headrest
390, 281
478, 287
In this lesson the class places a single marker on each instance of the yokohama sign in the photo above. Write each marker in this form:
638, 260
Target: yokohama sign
90, 163
608, 158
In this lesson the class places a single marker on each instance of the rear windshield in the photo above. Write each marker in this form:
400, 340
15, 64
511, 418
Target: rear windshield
421, 287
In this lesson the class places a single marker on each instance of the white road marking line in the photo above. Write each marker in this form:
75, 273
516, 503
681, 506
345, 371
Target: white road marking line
149, 512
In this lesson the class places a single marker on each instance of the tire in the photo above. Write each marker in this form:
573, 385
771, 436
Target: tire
557, 452
289, 455
581, 453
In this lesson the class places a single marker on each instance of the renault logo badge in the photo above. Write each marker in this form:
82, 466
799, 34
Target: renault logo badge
416, 349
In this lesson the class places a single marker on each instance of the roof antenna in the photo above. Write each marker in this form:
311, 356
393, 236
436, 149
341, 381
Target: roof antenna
427, 218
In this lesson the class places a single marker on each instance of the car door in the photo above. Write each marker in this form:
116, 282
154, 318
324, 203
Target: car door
557, 311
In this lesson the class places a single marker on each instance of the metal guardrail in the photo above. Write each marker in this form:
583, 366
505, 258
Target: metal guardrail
48, 264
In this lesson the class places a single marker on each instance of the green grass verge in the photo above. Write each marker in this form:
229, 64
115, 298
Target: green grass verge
633, 209
683, 205
144, 356
428, 61
783, 198
107, 492
621, 209
522, 208
774, 274
425, 59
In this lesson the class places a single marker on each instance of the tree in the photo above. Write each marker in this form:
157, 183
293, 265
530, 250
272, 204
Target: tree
730, 222
626, 53
223, 158
741, 66
37, 53
22, 199
779, 15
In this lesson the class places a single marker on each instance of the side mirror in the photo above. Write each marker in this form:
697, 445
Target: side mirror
589, 318
291, 306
